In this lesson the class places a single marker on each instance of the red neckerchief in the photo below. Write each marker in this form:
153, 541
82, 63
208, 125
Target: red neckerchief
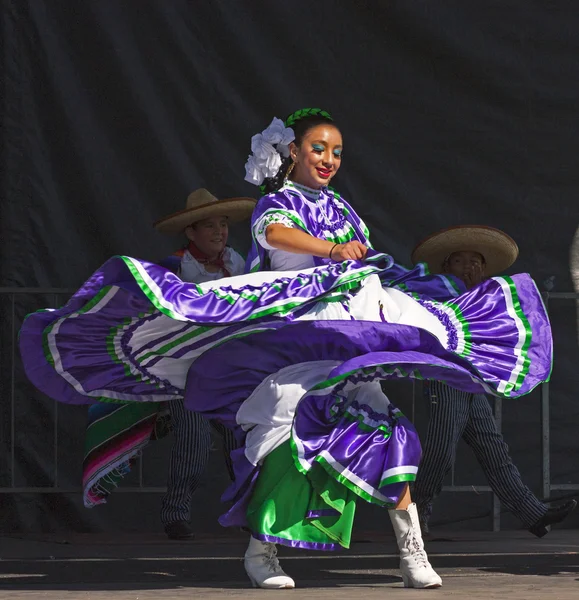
203, 259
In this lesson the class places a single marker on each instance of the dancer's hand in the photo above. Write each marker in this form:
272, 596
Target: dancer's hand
473, 276
349, 251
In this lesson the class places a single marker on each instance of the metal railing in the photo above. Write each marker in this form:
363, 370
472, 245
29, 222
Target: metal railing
12, 294
547, 486
59, 294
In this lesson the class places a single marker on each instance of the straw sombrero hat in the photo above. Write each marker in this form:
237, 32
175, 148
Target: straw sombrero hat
200, 205
499, 250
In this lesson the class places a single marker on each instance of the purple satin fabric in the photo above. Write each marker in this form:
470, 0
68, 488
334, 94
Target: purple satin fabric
82, 340
366, 453
191, 304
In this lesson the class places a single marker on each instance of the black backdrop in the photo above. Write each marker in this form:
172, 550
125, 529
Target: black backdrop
114, 110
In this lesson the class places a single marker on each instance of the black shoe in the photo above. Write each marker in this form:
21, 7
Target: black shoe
179, 530
553, 515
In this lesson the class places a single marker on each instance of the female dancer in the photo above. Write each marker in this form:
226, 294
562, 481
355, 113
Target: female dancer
299, 224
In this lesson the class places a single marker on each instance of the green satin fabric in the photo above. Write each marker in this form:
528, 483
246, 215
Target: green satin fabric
283, 500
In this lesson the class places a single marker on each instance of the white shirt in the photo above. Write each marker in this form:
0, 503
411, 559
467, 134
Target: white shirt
281, 260
193, 271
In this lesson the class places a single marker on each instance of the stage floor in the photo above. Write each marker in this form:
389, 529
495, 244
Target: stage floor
473, 565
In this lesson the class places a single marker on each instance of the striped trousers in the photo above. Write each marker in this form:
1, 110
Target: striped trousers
189, 459
455, 415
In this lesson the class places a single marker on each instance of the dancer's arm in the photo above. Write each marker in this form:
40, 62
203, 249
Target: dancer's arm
299, 242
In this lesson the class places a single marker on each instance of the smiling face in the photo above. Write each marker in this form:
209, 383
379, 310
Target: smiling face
209, 235
318, 156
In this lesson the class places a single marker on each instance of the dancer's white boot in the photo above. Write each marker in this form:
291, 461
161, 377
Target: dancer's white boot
262, 566
417, 572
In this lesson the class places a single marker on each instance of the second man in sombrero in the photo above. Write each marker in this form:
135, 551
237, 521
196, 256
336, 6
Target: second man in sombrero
472, 253
206, 257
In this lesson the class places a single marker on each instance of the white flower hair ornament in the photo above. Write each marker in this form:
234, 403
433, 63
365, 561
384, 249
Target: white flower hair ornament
268, 147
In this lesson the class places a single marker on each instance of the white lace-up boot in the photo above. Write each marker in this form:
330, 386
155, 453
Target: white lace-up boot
262, 566
417, 572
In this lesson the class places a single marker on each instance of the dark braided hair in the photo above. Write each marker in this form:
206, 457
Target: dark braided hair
301, 121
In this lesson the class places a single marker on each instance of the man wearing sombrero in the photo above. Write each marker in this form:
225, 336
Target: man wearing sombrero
472, 253
123, 430
205, 221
